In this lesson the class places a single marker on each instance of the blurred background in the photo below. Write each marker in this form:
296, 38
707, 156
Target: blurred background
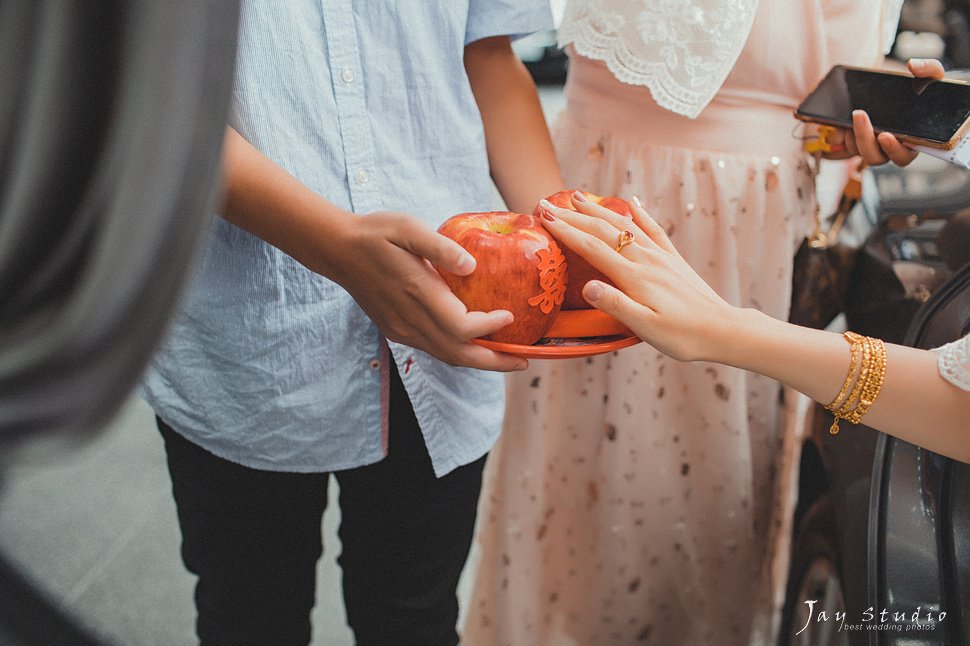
96, 526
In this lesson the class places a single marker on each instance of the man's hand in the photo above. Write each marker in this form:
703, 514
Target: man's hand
384, 262
382, 259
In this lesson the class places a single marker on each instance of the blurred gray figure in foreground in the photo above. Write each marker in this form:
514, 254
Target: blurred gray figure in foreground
112, 115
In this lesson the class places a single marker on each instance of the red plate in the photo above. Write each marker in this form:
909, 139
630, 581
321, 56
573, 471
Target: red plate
572, 324
563, 348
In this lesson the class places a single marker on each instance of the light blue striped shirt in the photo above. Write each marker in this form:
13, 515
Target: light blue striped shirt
368, 104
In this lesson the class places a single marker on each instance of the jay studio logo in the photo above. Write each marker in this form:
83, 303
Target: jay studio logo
918, 619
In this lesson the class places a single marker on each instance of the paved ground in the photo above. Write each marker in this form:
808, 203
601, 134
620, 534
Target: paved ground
96, 526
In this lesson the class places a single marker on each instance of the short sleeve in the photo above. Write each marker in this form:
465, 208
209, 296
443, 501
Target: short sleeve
954, 362
891, 9
488, 18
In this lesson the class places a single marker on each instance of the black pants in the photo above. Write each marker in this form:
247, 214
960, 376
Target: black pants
253, 538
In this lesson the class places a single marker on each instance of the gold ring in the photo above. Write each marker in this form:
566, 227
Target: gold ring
625, 238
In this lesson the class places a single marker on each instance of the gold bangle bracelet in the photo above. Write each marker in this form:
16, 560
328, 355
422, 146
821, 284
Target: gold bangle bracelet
855, 351
866, 385
874, 383
853, 399
840, 407
863, 386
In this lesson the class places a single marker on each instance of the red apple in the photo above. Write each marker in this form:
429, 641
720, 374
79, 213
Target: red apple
520, 268
580, 271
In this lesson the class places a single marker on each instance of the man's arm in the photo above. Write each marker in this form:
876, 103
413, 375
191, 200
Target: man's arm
520, 151
382, 259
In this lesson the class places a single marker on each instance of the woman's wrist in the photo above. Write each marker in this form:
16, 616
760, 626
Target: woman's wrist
740, 335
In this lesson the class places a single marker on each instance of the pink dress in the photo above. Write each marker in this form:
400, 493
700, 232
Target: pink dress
633, 498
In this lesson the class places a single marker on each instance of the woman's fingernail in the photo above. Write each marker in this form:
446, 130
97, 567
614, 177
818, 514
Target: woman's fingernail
593, 291
917, 64
636, 202
579, 197
522, 365
545, 210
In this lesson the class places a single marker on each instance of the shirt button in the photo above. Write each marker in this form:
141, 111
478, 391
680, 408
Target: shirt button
362, 176
374, 364
347, 75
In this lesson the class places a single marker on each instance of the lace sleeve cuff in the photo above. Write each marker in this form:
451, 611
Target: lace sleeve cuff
954, 362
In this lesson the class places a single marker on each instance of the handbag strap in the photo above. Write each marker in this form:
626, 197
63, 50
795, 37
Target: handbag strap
851, 193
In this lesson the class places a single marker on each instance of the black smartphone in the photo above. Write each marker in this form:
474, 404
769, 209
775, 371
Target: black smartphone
927, 112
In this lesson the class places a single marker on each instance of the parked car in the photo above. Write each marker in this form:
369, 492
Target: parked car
881, 549
919, 516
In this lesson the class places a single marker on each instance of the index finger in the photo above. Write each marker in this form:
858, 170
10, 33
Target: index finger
865, 138
456, 327
599, 221
575, 231
449, 314
588, 207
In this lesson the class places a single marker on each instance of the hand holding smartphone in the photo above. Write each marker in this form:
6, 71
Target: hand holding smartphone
918, 111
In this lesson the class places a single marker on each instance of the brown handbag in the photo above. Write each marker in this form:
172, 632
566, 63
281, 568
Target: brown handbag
823, 264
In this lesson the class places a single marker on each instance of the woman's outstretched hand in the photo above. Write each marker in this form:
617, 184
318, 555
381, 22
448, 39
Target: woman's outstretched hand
657, 295
663, 300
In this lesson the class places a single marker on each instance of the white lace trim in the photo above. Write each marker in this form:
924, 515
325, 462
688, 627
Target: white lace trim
954, 362
681, 50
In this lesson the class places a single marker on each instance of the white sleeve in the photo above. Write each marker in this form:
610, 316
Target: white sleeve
890, 23
954, 362
506, 18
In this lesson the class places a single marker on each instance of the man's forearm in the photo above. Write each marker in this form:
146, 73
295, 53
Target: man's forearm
265, 200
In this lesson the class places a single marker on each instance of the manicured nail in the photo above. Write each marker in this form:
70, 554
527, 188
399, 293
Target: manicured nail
593, 291
579, 197
917, 64
636, 202
522, 365
545, 210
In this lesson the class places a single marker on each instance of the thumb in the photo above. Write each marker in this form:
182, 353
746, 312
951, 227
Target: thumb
611, 300
926, 68
441, 251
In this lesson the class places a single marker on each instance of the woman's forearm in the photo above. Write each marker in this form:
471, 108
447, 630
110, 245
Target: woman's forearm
915, 404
